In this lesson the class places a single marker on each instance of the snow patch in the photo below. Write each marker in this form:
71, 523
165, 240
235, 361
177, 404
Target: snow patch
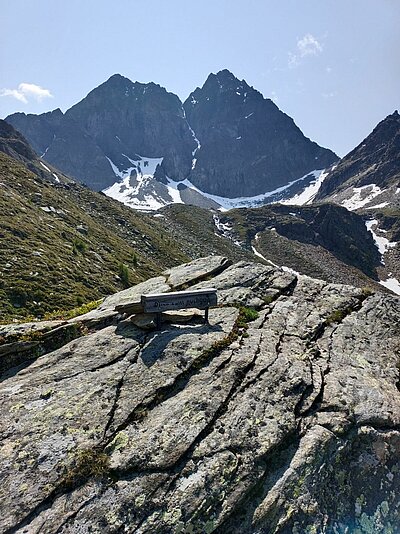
194, 160
44, 166
383, 205
242, 202
137, 191
308, 195
226, 230
362, 196
290, 270
174, 191
391, 283
382, 243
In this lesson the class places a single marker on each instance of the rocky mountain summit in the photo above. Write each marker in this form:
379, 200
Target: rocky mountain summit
247, 144
280, 416
367, 181
369, 176
142, 146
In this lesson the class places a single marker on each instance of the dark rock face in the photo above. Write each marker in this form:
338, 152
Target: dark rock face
121, 120
135, 118
334, 228
61, 142
117, 120
248, 146
374, 161
14, 144
288, 422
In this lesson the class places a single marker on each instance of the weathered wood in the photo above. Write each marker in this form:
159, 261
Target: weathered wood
200, 299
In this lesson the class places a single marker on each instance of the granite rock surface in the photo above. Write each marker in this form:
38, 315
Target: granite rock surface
280, 416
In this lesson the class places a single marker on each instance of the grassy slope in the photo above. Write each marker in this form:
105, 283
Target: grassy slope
47, 262
73, 254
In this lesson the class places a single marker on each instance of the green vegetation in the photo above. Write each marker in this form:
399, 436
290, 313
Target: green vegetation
87, 464
248, 314
245, 316
123, 273
75, 312
46, 265
336, 316
78, 246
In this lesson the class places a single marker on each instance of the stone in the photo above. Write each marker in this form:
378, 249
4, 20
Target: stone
287, 423
195, 271
181, 316
131, 296
145, 321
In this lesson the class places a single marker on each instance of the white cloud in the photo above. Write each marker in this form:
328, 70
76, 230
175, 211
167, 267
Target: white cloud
293, 60
309, 46
27, 91
306, 46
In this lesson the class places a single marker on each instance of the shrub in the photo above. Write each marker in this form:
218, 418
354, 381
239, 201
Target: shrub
87, 464
248, 314
123, 273
78, 245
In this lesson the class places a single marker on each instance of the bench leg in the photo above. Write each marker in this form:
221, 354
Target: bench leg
206, 316
158, 321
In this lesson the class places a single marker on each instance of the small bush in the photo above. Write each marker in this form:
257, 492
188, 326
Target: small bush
248, 314
78, 245
336, 316
123, 273
367, 291
87, 464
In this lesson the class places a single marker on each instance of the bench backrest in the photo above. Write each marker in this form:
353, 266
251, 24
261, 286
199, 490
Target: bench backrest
200, 299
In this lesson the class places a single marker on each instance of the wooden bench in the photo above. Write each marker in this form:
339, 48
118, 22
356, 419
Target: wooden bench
202, 299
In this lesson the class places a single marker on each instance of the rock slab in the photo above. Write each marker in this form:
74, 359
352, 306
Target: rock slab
280, 420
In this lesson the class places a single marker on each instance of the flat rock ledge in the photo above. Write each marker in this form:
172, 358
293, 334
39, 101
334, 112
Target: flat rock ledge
280, 416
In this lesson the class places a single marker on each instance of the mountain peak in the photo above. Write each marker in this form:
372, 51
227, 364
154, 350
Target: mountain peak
224, 80
226, 74
118, 78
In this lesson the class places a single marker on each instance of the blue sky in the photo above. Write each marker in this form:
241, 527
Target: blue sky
333, 66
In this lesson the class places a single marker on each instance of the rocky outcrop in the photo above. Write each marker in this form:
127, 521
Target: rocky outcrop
301, 237
247, 145
370, 174
14, 144
285, 419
